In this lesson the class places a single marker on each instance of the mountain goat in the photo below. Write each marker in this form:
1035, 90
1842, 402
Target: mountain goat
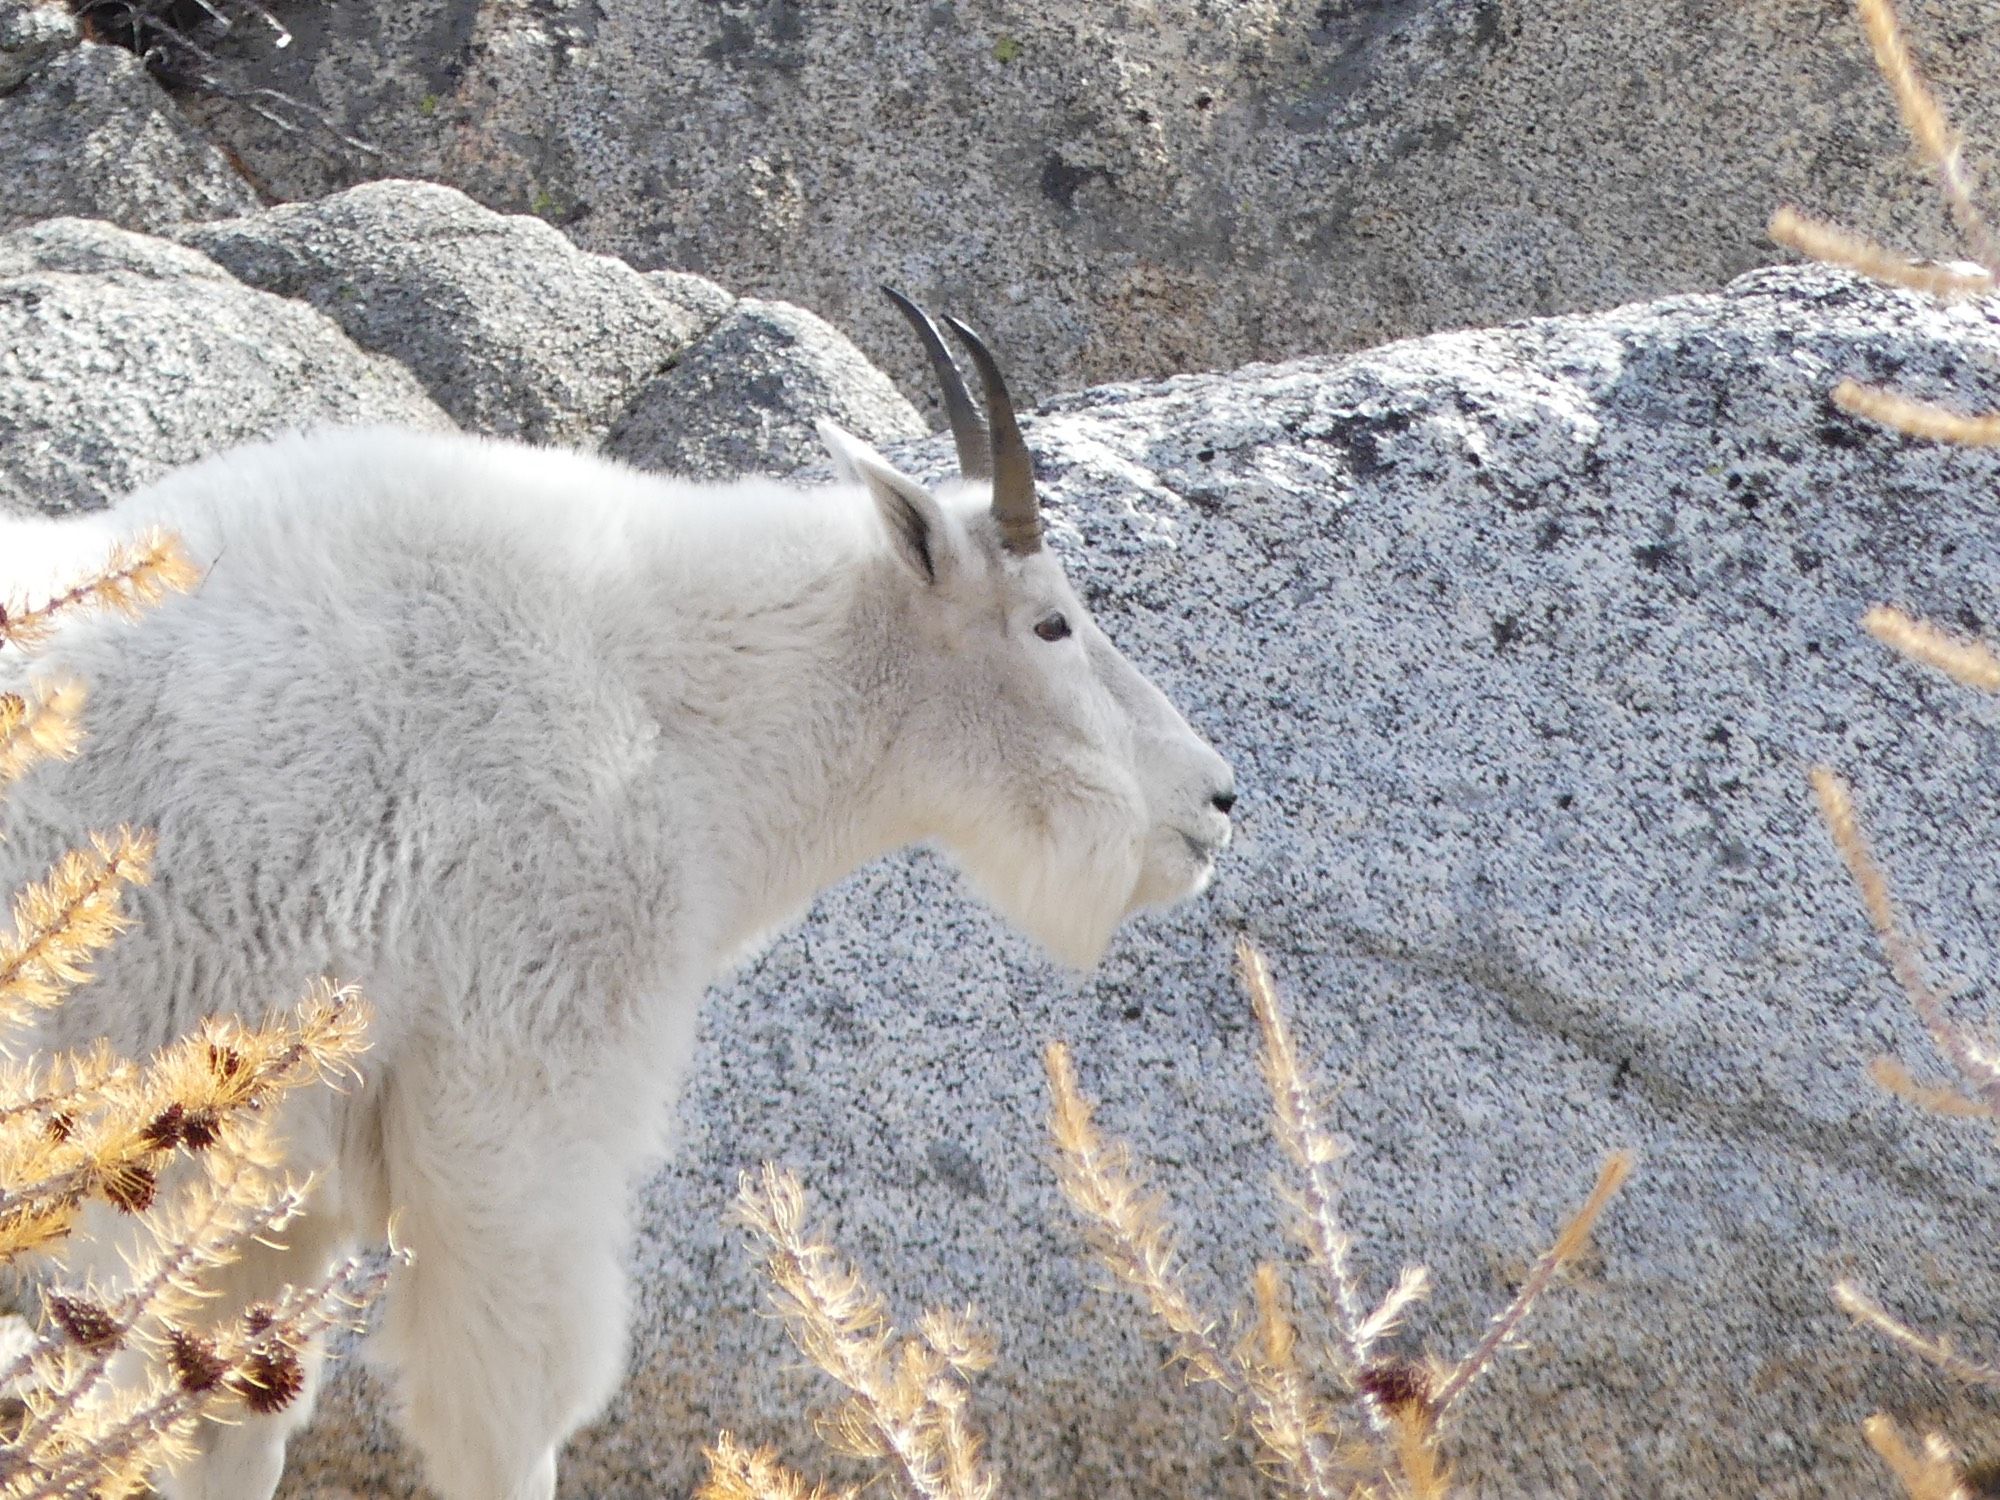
532, 746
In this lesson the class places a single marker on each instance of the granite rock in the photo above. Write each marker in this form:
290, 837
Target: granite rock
1522, 642
89, 133
31, 32
1138, 188
744, 399
512, 329
123, 356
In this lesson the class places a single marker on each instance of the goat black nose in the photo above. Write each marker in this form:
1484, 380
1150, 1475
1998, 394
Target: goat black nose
1223, 801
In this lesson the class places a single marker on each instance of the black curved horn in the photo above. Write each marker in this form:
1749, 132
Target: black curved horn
1014, 503
967, 431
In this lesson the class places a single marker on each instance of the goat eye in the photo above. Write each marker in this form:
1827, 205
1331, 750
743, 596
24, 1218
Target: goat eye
1054, 628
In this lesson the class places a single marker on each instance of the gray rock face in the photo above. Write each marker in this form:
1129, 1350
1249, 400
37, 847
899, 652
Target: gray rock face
1140, 188
511, 328
87, 132
745, 398
1522, 642
32, 31
699, 297
123, 356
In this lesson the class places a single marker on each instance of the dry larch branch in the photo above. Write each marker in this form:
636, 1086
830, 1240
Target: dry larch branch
138, 573
1314, 1151
1818, 240
1975, 1063
61, 922
907, 1397
739, 1473
43, 725
1893, 1078
1568, 1245
1127, 1229
1935, 139
1930, 1475
1305, 1435
1933, 1350
1920, 419
86, 1124
1969, 662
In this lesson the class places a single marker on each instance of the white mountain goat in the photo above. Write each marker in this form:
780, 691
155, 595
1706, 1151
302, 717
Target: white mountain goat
532, 746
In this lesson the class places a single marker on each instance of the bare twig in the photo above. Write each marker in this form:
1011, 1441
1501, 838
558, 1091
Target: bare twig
1932, 1474
1568, 1245
1921, 419
1927, 125
1932, 1349
1974, 1063
1836, 246
1970, 662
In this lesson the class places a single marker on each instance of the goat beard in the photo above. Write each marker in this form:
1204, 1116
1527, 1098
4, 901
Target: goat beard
1068, 894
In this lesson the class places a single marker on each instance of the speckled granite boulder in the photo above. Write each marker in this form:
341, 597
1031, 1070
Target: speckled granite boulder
84, 130
1137, 188
511, 328
122, 356
31, 32
745, 398
517, 333
1522, 642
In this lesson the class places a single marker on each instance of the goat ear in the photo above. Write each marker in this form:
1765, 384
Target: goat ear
918, 528
844, 448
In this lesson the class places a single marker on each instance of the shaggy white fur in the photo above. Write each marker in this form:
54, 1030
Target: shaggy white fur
532, 746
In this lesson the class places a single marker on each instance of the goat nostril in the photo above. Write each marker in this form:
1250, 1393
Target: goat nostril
1223, 801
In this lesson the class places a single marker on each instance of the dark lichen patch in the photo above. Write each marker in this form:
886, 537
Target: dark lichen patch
1062, 180
954, 1166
